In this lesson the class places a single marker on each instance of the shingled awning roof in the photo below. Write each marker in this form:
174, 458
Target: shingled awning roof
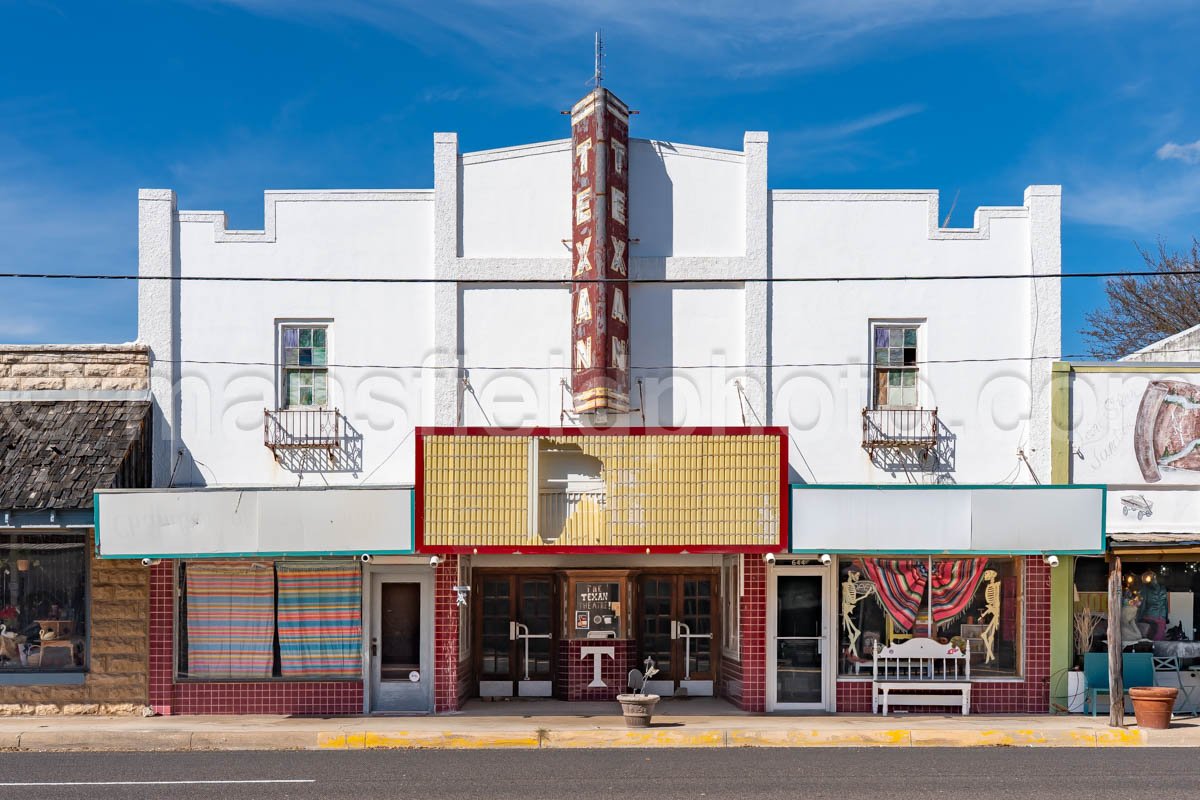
55, 453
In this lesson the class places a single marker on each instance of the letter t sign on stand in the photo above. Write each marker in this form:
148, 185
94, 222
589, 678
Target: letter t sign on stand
597, 653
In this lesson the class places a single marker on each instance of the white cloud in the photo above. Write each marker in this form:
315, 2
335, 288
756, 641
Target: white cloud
713, 36
1187, 153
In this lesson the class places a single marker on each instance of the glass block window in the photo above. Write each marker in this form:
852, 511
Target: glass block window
305, 366
894, 364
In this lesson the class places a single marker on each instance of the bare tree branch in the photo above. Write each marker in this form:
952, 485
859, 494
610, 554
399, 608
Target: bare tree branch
1140, 311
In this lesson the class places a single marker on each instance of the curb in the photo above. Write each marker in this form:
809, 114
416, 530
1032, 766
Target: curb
182, 741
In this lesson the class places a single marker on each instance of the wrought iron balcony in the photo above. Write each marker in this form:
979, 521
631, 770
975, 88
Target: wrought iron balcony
303, 429
900, 428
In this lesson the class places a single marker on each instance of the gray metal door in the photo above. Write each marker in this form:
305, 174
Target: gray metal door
400, 645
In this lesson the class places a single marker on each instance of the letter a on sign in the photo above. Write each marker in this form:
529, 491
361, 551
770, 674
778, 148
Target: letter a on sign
619, 313
583, 306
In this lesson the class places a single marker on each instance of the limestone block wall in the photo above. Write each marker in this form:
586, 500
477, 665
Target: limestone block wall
74, 367
117, 679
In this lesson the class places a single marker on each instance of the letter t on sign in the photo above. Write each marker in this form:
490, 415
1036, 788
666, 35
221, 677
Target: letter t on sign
597, 653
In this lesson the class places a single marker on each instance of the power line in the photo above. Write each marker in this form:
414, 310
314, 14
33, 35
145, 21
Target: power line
95, 276
639, 367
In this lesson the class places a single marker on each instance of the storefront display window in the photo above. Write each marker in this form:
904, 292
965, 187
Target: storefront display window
257, 620
43, 602
968, 601
1158, 608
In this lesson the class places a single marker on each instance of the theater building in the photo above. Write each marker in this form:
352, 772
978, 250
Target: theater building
587, 402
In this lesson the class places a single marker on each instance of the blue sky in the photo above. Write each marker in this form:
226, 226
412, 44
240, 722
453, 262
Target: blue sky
221, 99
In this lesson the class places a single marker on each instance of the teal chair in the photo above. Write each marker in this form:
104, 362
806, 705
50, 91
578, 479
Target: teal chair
1137, 669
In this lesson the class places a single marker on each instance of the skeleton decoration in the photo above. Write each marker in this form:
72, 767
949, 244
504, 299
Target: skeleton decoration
854, 591
991, 597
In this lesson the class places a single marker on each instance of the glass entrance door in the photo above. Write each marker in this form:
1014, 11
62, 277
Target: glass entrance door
799, 663
401, 643
515, 641
676, 627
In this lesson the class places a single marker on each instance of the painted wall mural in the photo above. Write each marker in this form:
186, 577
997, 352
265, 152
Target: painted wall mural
1139, 432
1167, 431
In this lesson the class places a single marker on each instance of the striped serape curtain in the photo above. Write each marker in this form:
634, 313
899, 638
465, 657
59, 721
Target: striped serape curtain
320, 620
900, 586
230, 619
954, 584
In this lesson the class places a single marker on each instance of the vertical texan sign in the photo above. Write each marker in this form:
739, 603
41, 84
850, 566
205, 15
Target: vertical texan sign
600, 254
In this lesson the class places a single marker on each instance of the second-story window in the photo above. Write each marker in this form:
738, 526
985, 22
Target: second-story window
894, 364
305, 366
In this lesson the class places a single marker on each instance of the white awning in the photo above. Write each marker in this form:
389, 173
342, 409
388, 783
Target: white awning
1018, 520
223, 522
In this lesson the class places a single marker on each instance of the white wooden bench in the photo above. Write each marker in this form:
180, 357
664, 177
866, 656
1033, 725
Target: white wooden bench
941, 673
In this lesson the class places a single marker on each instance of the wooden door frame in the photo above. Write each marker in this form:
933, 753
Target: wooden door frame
677, 576
514, 576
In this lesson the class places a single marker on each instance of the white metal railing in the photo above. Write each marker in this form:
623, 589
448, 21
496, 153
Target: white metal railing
556, 505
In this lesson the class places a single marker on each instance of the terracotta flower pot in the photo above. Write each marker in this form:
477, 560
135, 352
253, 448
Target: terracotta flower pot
637, 709
1153, 706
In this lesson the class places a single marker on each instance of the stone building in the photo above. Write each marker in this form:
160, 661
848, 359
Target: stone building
74, 636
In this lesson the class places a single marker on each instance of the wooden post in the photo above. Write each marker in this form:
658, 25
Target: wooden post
1116, 683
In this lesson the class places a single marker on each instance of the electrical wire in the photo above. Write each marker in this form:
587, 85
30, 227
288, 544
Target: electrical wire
1077, 358
96, 276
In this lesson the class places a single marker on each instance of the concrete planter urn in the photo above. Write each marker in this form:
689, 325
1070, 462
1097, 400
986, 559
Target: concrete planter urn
637, 709
1153, 706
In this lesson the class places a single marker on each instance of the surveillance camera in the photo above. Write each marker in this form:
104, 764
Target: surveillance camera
366, 558
825, 559
769, 558
1051, 561
149, 562
434, 561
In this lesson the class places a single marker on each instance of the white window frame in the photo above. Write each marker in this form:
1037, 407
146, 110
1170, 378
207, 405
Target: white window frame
732, 589
917, 368
282, 369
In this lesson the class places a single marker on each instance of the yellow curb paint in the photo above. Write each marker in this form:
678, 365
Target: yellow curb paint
331, 741
635, 738
810, 738
448, 740
987, 738
1119, 737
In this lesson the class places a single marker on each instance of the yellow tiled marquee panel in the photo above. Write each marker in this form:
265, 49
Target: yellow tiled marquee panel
668, 490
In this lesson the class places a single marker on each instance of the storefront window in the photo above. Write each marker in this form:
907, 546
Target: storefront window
596, 607
43, 602
253, 620
969, 601
1158, 608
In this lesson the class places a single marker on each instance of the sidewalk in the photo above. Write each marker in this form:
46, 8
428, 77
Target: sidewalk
484, 727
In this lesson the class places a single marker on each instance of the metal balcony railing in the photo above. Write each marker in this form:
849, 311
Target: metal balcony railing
303, 429
556, 505
899, 427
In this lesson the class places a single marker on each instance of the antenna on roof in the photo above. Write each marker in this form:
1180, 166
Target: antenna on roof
599, 76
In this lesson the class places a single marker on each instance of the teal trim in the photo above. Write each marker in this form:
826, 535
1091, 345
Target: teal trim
96, 521
906, 487
1103, 488
278, 554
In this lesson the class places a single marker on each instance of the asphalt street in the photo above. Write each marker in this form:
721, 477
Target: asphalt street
810, 773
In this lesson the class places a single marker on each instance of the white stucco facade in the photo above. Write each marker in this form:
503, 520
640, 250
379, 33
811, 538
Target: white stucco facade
718, 344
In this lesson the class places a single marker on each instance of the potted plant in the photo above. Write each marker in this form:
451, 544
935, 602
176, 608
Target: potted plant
1153, 705
637, 708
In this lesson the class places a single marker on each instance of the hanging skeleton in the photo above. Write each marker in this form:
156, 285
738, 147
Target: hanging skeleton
854, 591
991, 613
